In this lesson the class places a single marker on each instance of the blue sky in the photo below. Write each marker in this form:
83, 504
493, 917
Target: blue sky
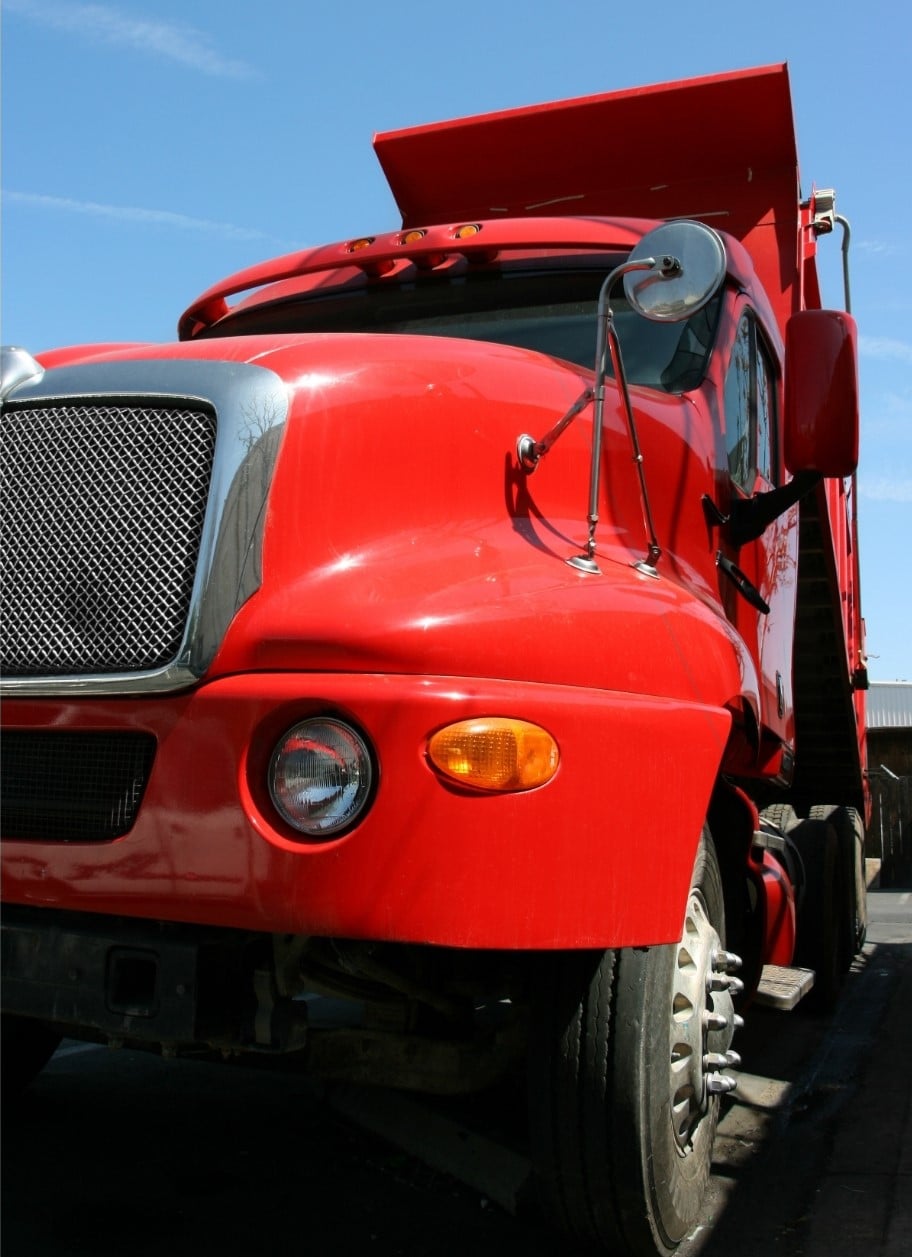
150, 148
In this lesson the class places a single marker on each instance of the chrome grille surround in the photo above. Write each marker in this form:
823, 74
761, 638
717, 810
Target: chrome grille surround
133, 502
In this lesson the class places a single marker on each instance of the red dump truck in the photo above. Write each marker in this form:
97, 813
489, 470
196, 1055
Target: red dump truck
461, 622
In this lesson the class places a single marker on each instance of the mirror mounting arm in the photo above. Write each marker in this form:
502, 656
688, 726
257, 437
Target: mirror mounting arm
529, 452
685, 268
750, 517
608, 343
654, 552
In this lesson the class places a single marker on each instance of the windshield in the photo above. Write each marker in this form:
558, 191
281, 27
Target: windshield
552, 312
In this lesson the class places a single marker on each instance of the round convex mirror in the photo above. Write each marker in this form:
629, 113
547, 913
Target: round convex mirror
677, 294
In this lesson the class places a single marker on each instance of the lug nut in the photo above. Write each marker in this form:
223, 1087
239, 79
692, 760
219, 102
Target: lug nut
724, 982
714, 1021
726, 961
719, 1084
721, 1060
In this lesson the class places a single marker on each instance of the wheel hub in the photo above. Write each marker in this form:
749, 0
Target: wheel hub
702, 1021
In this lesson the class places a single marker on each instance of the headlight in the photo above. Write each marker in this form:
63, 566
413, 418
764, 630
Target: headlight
320, 777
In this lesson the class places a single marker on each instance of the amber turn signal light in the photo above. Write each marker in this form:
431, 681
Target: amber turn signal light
494, 753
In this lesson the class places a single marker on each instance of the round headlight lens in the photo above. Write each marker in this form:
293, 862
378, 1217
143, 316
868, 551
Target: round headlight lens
320, 777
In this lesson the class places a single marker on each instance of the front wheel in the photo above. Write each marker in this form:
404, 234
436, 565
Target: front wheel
626, 1068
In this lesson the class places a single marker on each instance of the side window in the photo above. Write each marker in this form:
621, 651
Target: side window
766, 415
750, 409
738, 409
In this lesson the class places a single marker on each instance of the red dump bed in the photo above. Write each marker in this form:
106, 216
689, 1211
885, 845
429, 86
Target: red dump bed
721, 149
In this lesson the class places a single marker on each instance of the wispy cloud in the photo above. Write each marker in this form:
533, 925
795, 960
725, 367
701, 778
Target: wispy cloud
885, 488
104, 24
881, 247
899, 406
135, 214
885, 347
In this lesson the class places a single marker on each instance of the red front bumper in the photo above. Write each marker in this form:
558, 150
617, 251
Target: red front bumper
600, 856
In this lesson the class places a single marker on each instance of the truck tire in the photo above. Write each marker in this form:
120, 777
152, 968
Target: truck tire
26, 1046
853, 891
782, 815
819, 943
622, 1110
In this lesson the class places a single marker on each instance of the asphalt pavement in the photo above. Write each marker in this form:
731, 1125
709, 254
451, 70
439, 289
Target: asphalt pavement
863, 1204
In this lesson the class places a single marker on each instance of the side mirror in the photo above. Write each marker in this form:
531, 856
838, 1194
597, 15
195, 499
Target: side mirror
689, 267
821, 393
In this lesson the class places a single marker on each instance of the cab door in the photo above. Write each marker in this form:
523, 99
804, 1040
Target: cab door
753, 438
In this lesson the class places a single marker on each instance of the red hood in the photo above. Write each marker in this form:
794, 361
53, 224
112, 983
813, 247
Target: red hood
401, 536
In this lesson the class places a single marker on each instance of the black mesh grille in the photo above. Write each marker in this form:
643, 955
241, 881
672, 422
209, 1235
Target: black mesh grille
72, 787
102, 512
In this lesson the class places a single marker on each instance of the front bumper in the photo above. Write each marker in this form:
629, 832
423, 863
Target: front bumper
601, 856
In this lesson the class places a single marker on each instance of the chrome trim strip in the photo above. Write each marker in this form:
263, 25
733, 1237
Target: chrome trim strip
16, 366
251, 406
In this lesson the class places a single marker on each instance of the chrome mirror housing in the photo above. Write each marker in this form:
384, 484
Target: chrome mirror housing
689, 266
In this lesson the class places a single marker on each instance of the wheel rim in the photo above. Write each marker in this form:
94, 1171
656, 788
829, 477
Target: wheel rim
702, 1022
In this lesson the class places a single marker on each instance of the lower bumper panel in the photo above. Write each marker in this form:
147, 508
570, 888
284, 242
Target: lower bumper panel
131, 980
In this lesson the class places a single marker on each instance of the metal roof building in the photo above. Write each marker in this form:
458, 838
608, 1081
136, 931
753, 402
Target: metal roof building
889, 728
889, 705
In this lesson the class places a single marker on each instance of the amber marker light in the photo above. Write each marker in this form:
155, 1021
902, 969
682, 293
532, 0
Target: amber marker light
495, 753
412, 237
466, 231
357, 245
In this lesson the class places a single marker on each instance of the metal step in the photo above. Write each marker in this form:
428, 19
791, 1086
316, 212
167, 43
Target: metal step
783, 988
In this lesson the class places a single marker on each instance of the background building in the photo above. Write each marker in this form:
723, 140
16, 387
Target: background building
890, 771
